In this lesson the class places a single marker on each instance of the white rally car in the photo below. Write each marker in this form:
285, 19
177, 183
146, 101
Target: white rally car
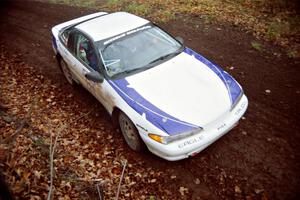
163, 95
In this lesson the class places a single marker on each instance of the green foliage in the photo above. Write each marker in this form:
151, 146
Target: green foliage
274, 30
257, 46
152, 197
39, 142
113, 2
139, 9
292, 54
163, 16
167, 16
190, 2
79, 3
208, 18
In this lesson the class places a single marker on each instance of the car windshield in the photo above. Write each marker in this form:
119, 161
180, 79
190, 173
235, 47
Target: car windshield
138, 51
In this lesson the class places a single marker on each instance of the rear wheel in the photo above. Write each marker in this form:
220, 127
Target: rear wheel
130, 133
66, 71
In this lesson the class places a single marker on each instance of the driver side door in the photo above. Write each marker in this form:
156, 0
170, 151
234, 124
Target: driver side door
87, 61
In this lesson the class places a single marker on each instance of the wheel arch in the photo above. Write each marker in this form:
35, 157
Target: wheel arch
58, 58
114, 116
115, 119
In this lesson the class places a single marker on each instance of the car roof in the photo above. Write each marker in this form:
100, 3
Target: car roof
110, 25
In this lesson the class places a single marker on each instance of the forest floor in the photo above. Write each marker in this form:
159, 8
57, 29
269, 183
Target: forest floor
259, 159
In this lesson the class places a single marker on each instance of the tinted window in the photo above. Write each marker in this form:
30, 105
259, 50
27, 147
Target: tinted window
71, 41
65, 36
85, 51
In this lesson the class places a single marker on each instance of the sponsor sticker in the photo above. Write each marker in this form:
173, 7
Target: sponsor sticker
240, 109
126, 34
190, 142
222, 126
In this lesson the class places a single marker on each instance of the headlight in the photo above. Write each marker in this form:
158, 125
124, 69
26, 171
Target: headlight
172, 138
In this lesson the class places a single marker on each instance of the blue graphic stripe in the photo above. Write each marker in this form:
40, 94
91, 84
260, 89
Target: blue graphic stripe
157, 117
233, 88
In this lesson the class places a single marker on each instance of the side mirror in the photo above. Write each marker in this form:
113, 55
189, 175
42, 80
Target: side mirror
179, 39
94, 76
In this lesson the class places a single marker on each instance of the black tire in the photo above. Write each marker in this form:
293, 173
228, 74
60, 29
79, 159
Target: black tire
66, 71
130, 133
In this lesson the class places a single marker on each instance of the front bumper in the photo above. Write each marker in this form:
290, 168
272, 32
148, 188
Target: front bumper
192, 145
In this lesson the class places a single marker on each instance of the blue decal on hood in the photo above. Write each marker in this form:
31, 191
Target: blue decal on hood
157, 117
233, 88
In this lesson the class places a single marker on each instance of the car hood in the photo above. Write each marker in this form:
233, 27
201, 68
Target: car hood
180, 94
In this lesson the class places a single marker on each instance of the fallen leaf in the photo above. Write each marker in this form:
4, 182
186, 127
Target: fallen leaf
153, 180
257, 191
237, 189
37, 173
183, 190
268, 91
197, 181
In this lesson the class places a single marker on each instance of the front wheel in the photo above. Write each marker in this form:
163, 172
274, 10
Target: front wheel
130, 133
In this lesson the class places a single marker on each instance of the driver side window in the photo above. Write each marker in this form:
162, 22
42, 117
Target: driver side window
85, 51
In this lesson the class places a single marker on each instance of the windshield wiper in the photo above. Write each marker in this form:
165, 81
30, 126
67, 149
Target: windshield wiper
125, 72
128, 71
149, 65
170, 55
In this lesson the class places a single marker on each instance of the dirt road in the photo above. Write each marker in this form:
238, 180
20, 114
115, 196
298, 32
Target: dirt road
258, 159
